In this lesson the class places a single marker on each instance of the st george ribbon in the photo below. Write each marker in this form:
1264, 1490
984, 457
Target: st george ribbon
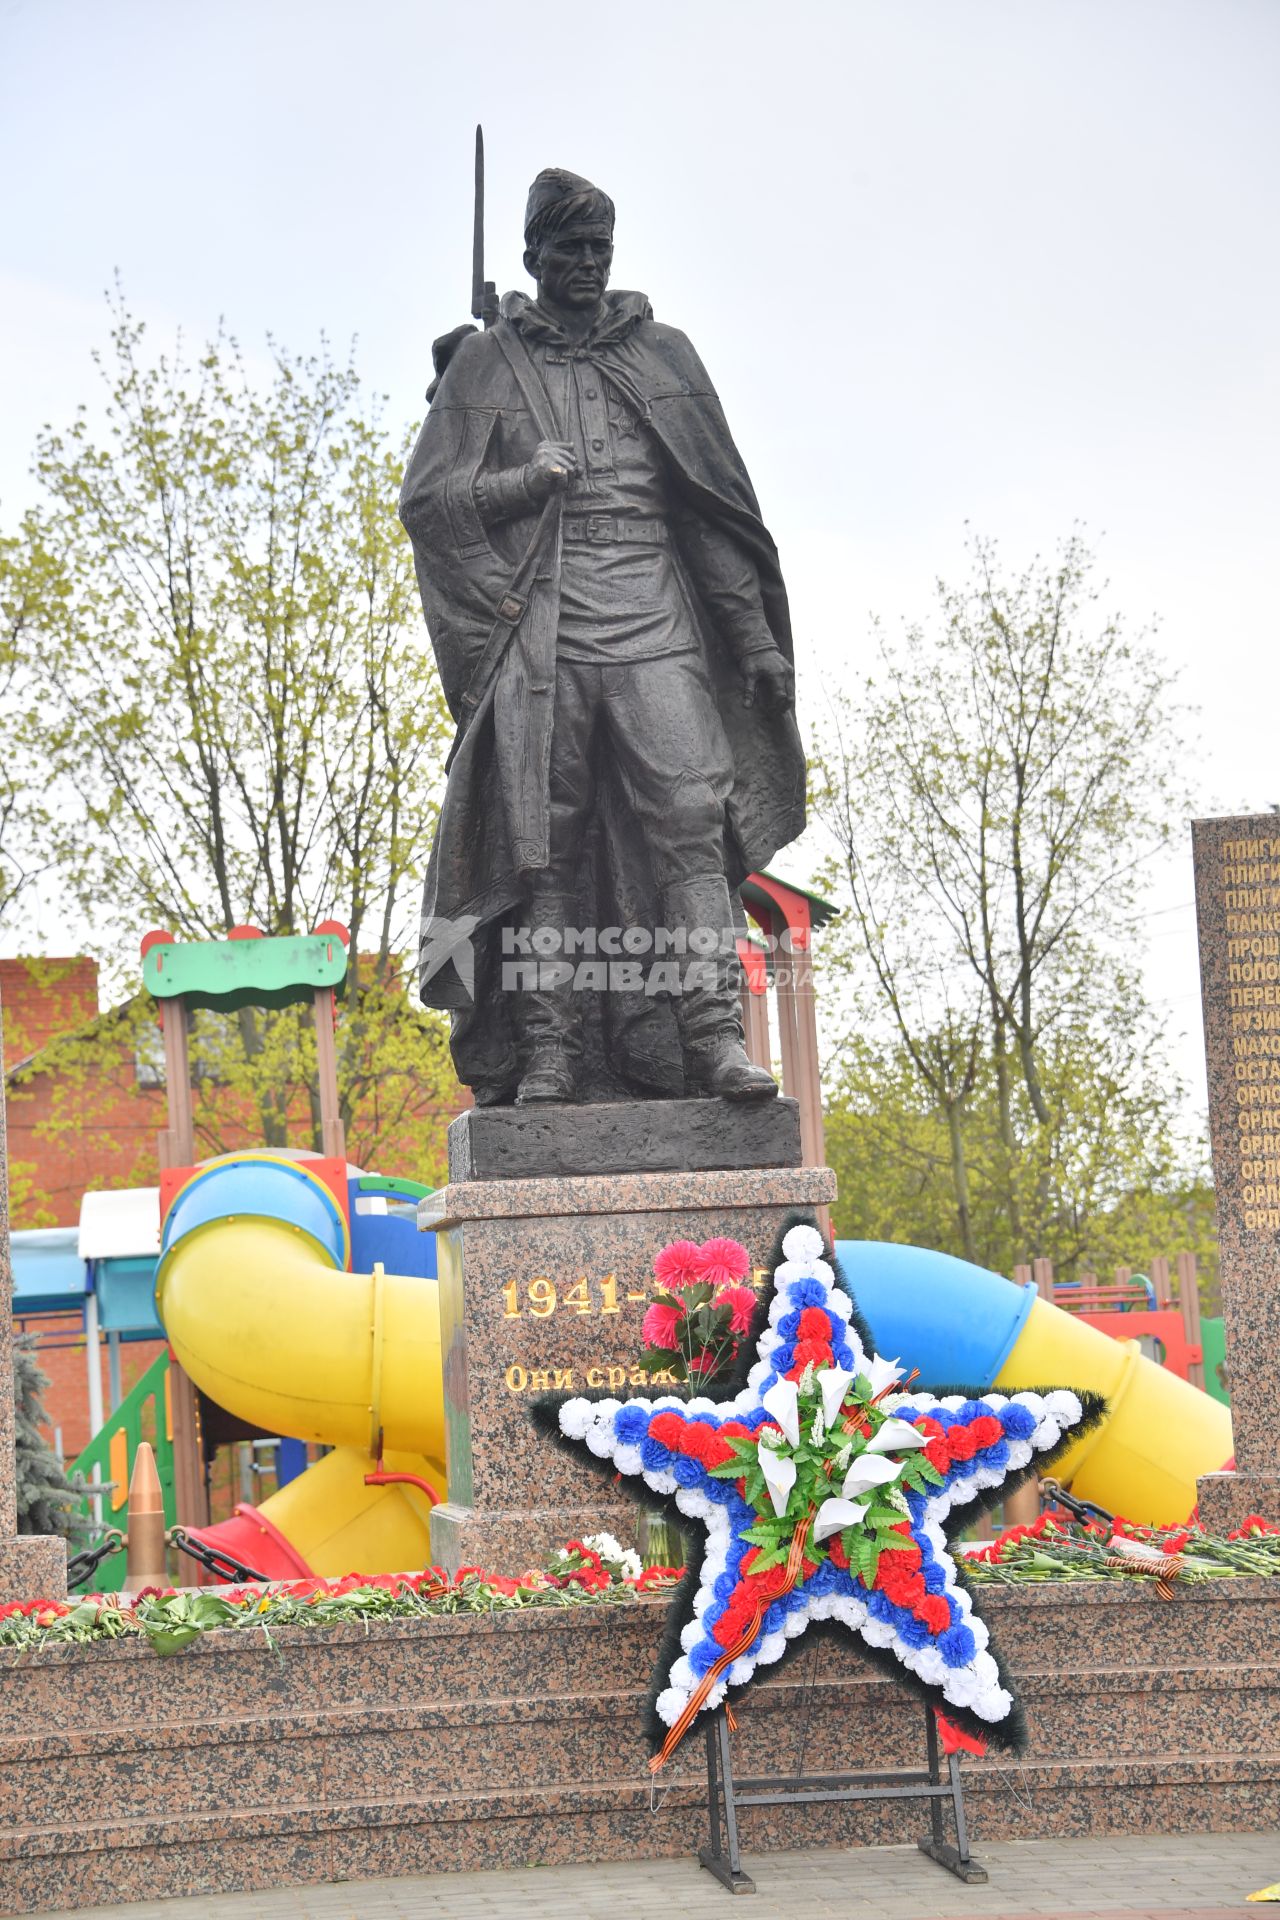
828, 1489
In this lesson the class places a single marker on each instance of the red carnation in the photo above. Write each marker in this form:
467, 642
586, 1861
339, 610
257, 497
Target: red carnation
986, 1430
767, 1585
961, 1443
741, 1302
723, 1262
659, 1326
697, 1440
816, 1353
815, 1324
680, 1264
668, 1427
935, 1613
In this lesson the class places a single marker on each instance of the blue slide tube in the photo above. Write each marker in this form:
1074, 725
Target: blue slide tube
958, 1323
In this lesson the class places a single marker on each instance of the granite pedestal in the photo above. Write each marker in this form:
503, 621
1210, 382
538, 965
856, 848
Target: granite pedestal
1237, 876
544, 1283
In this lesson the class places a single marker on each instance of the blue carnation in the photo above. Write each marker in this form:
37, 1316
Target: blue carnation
997, 1455
825, 1580
842, 1354
783, 1361
934, 1575
756, 1418
973, 1410
1018, 1422
808, 1293
631, 1424
789, 1326
774, 1617
724, 1586
957, 1645
913, 1632
687, 1472
654, 1457
704, 1656
880, 1606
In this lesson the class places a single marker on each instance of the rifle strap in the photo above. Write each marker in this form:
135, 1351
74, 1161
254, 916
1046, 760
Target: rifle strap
533, 388
510, 612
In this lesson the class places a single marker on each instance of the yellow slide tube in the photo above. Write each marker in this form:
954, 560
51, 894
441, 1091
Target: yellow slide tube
1159, 1434
266, 1324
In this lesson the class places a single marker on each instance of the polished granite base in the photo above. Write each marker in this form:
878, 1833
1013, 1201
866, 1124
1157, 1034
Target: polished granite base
509, 1740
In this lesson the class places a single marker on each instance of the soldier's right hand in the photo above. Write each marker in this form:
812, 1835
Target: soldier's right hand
553, 465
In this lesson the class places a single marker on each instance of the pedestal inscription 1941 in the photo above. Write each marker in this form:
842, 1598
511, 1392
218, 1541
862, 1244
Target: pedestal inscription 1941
1237, 872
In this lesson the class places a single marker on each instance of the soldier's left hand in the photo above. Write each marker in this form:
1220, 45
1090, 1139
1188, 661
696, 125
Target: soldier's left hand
769, 678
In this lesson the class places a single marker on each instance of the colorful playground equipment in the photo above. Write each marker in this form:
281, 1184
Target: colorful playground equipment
961, 1324
300, 1311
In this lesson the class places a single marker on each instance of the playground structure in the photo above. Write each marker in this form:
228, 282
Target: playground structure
298, 1300
960, 1323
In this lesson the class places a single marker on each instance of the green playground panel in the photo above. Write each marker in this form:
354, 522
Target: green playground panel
1214, 1340
141, 1415
393, 1183
227, 974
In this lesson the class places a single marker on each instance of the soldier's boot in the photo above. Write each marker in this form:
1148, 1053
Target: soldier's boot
709, 1010
546, 1019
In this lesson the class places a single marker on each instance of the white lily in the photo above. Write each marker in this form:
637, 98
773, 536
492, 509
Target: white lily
779, 1471
869, 1470
896, 1436
783, 1402
834, 1515
833, 1384
881, 1373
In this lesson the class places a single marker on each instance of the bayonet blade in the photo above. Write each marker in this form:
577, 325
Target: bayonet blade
477, 234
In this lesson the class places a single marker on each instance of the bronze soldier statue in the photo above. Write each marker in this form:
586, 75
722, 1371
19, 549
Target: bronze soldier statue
611, 629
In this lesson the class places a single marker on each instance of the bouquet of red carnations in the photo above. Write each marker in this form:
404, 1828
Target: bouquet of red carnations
702, 1314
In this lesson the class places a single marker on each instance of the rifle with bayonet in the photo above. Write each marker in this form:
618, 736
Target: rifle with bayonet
484, 294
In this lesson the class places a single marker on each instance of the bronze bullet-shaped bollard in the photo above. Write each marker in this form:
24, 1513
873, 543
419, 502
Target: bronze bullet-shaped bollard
144, 1560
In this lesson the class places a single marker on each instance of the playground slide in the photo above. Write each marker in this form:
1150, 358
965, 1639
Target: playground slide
961, 1324
255, 1297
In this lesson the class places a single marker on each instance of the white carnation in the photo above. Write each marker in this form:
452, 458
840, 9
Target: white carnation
575, 1417
670, 1704
803, 1244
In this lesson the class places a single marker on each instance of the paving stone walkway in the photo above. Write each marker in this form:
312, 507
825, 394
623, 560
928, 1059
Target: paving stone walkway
1204, 1875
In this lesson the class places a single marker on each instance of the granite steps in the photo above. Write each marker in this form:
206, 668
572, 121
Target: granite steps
456, 1742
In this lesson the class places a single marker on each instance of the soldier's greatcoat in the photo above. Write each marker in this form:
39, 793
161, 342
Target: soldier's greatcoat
493, 624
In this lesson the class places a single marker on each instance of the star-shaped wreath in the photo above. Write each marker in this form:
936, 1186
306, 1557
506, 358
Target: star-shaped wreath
825, 1485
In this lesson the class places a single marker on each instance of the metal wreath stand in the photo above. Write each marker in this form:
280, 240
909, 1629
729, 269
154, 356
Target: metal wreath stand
726, 1795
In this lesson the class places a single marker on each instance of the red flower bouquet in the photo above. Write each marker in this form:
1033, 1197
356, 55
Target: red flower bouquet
702, 1314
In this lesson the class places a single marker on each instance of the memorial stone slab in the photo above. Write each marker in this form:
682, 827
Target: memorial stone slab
631, 1136
32, 1566
543, 1287
1237, 878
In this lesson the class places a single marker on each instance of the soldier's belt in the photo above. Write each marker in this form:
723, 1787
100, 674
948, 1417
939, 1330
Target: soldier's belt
606, 529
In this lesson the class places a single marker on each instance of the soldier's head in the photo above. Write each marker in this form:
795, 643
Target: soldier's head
568, 239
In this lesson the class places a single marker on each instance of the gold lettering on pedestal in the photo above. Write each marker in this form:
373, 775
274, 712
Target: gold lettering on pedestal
1250, 873
519, 1379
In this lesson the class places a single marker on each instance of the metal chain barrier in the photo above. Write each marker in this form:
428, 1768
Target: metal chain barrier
212, 1559
83, 1565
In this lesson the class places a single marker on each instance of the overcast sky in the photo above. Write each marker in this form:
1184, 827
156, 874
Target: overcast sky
1010, 262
